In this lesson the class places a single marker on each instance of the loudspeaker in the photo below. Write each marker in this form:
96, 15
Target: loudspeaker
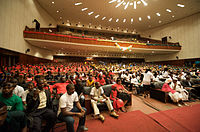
27, 50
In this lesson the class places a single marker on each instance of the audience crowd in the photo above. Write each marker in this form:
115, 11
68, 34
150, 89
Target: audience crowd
32, 94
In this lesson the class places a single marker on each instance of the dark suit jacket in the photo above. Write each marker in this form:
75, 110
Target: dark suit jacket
32, 104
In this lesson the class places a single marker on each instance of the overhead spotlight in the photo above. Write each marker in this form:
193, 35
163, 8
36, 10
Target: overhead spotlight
112, 1
168, 10
149, 17
119, 4
90, 13
110, 19
134, 6
126, 5
124, 20
180, 5
84, 9
78, 3
158, 14
145, 3
103, 18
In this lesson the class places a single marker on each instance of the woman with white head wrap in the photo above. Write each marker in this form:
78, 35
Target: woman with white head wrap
175, 96
176, 85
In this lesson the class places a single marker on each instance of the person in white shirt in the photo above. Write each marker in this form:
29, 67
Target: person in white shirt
147, 79
67, 110
176, 85
18, 89
98, 96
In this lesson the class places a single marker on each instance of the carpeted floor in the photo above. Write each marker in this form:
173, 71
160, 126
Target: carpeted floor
182, 119
135, 121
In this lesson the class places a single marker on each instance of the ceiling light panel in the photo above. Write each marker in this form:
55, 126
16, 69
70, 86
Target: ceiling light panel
90, 13
140, 19
124, 20
158, 14
168, 10
103, 18
96, 16
180, 5
79, 3
84, 9
119, 4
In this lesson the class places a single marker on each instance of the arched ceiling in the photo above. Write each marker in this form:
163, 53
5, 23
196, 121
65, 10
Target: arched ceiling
127, 15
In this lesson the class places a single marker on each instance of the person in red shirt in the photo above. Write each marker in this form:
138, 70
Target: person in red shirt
101, 80
60, 88
123, 93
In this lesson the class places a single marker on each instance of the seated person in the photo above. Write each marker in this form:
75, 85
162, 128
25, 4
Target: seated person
101, 80
90, 82
16, 118
60, 87
98, 96
67, 109
176, 85
24, 95
122, 92
79, 90
39, 107
18, 89
175, 96
117, 103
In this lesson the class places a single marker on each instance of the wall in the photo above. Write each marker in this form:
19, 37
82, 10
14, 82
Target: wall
14, 16
185, 31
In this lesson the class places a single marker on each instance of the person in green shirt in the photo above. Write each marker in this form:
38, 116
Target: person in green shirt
16, 118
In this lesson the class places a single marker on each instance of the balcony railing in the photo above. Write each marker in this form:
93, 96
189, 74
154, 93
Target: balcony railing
103, 42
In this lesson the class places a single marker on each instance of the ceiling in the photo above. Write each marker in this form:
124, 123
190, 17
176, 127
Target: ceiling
65, 11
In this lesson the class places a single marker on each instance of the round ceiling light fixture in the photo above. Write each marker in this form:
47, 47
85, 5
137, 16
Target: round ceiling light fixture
127, 3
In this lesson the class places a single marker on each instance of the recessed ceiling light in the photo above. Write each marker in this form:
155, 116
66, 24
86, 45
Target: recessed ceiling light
78, 3
103, 18
145, 3
84, 9
112, 1
134, 6
96, 16
117, 20
180, 5
159, 21
149, 17
131, 19
168, 10
52, 2
126, 5
140, 19
90, 13
110, 19
124, 20
119, 4
173, 16
138, 2
158, 14
60, 17
57, 11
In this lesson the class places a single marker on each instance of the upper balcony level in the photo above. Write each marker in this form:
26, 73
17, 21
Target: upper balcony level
81, 44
